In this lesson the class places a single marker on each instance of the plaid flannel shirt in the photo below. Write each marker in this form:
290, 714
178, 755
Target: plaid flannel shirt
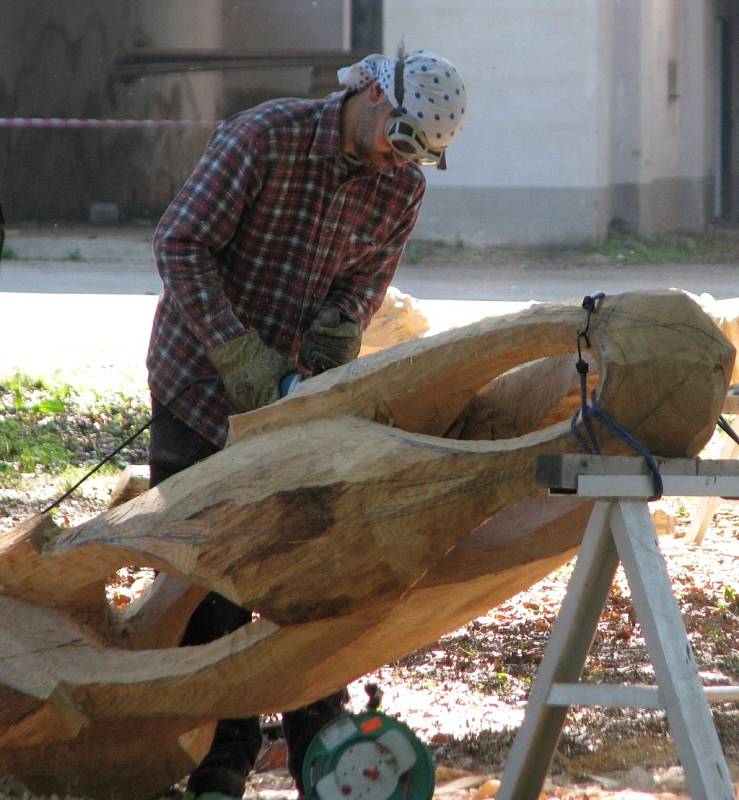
271, 225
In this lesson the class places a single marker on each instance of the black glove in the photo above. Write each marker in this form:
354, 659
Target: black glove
332, 339
251, 371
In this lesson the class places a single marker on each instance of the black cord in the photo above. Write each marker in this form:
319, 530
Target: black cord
128, 441
2, 233
590, 304
727, 429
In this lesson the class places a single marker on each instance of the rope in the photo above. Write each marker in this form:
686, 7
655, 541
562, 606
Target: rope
128, 441
590, 304
86, 122
622, 433
593, 411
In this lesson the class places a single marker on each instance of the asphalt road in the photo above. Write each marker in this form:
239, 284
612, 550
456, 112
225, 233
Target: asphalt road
450, 281
80, 302
91, 260
109, 267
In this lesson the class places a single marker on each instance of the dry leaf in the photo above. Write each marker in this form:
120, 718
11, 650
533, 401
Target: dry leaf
488, 789
444, 774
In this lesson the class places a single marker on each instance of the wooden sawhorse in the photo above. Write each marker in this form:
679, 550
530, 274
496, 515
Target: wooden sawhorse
621, 529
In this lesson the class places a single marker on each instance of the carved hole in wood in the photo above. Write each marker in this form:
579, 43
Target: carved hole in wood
527, 398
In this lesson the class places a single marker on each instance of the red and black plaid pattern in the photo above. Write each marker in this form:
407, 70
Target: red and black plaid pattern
271, 225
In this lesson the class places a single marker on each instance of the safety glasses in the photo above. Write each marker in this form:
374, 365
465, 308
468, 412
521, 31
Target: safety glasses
405, 137
404, 134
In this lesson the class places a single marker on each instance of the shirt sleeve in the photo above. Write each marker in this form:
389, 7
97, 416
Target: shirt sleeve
360, 290
201, 220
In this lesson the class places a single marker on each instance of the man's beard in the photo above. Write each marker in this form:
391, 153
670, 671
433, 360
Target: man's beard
364, 139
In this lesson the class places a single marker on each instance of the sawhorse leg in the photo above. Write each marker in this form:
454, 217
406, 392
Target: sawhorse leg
667, 642
620, 529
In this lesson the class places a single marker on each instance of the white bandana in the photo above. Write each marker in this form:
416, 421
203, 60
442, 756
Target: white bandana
374, 67
434, 93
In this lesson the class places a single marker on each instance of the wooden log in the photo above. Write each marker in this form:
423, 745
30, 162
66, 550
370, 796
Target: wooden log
344, 518
159, 751
423, 386
129, 692
398, 320
725, 313
506, 407
133, 481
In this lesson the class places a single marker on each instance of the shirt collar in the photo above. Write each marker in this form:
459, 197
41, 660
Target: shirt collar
327, 139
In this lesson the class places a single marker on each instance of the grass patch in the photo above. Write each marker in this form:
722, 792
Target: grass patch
416, 252
74, 255
9, 253
621, 247
52, 429
628, 248
730, 665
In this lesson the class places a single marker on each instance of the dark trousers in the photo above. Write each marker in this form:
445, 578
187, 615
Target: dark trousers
174, 447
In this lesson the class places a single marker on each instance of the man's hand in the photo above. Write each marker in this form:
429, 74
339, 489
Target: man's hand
331, 340
251, 371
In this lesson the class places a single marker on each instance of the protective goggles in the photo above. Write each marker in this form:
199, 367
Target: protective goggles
406, 139
404, 134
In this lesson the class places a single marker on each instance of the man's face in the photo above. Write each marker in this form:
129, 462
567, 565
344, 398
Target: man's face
371, 146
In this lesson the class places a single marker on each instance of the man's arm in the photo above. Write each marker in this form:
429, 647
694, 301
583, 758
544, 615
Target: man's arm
201, 219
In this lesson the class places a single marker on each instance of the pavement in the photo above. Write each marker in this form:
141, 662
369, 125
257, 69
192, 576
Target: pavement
78, 301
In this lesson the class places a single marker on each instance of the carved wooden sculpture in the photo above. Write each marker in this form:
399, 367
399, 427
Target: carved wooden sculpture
347, 518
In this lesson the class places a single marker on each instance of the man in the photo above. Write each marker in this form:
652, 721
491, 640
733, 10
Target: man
274, 256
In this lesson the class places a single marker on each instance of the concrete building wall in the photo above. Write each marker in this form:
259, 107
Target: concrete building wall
582, 113
529, 166
274, 26
166, 156
728, 199
663, 110
571, 123
734, 111
674, 159
58, 60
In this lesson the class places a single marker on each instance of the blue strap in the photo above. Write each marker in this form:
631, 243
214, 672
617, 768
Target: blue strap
608, 422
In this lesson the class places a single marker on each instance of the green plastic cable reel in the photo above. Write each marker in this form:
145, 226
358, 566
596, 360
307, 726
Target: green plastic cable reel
367, 756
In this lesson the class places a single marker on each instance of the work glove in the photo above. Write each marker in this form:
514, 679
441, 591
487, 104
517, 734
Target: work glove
332, 339
250, 370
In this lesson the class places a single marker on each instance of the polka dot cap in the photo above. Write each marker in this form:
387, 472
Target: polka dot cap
434, 93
